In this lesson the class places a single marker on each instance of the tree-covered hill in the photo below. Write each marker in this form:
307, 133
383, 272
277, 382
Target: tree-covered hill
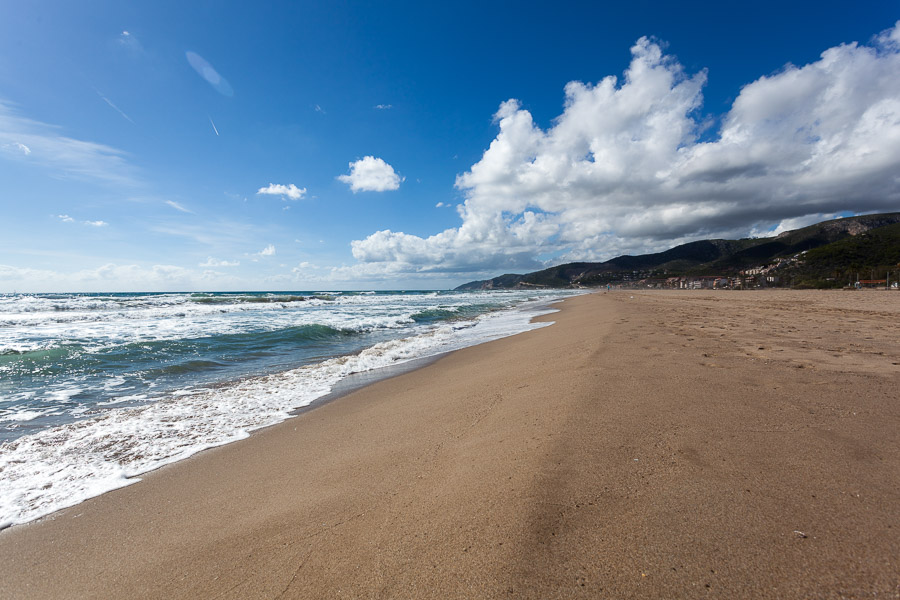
824, 252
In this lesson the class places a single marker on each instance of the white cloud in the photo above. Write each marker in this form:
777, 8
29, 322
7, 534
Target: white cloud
156, 273
792, 224
212, 262
110, 277
178, 206
623, 168
10, 273
383, 106
127, 40
275, 189
207, 72
218, 233
63, 156
68, 219
370, 174
234, 196
304, 268
267, 251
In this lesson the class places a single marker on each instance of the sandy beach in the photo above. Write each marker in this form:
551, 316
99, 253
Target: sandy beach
665, 444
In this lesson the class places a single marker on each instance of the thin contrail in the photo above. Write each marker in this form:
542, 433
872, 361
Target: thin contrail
214, 126
108, 101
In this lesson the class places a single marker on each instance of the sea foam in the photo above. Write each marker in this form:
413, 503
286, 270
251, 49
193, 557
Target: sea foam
63, 465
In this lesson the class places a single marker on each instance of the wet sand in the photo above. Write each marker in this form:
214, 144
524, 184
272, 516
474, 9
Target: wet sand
647, 445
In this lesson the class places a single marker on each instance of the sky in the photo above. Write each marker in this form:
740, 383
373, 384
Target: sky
223, 146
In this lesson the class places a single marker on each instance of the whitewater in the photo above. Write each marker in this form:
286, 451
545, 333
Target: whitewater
97, 389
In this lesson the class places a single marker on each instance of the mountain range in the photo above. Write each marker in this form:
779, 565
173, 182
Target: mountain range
827, 254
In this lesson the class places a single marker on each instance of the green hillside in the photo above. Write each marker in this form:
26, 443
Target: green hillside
821, 255
869, 255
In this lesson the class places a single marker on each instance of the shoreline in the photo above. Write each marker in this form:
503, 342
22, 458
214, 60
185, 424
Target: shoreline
115, 449
649, 444
361, 380
344, 387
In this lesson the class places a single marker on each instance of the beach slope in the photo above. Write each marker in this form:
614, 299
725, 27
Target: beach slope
647, 445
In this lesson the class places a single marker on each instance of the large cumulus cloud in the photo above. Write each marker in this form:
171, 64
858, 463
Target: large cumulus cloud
627, 167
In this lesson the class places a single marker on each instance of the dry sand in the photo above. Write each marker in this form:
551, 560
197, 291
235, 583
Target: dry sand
648, 445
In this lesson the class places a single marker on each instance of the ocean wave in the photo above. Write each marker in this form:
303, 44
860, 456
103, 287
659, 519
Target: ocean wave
52, 353
63, 465
151, 378
21, 414
153, 358
430, 315
267, 299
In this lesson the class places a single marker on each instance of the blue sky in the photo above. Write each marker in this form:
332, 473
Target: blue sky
347, 145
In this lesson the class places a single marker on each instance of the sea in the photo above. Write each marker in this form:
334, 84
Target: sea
97, 389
